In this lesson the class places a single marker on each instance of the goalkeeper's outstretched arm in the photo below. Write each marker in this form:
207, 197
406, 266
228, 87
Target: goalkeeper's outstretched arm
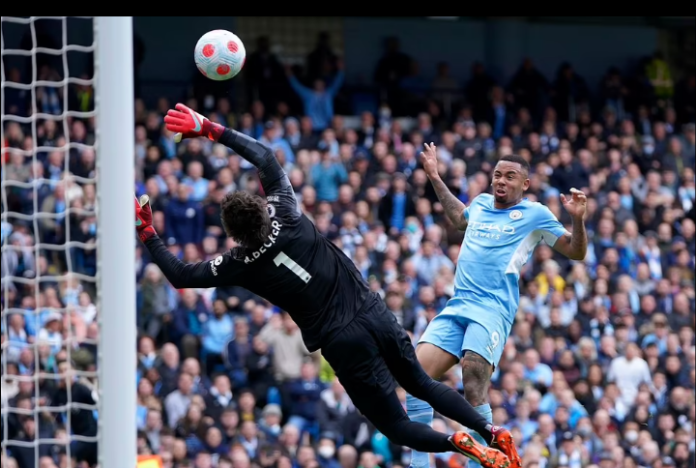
187, 123
211, 274
222, 271
271, 174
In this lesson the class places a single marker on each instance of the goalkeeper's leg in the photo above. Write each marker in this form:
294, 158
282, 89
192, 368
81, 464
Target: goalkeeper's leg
372, 352
407, 367
425, 392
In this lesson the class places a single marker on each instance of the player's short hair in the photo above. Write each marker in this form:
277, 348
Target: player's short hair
245, 218
516, 158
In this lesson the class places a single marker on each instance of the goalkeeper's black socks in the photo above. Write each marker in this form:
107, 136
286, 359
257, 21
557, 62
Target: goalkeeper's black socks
452, 405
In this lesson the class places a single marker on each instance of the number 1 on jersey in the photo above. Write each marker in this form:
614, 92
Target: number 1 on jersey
282, 259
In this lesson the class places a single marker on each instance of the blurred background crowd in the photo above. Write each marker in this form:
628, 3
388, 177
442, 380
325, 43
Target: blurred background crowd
600, 369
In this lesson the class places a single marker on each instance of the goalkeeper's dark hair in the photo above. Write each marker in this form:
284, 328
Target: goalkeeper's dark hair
245, 218
514, 158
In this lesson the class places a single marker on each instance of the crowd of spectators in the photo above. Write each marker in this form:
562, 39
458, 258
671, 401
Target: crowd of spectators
600, 369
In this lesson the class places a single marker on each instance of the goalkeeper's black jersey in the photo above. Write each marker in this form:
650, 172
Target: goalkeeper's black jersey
297, 269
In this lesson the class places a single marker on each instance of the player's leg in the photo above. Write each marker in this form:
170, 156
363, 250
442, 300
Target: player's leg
388, 416
357, 357
400, 357
437, 351
482, 349
476, 375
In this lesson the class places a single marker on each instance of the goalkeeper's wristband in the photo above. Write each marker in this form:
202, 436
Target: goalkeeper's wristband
214, 131
146, 233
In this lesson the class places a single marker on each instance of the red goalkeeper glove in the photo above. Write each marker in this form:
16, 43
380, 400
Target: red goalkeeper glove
190, 124
143, 218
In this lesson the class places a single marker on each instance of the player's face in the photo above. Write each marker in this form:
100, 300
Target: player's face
509, 183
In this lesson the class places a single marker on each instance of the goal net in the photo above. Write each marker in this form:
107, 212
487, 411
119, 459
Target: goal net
54, 319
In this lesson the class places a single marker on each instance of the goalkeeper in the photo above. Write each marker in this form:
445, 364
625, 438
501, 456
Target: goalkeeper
283, 258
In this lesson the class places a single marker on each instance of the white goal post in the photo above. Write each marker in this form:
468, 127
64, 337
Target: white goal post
116, 241
23, 224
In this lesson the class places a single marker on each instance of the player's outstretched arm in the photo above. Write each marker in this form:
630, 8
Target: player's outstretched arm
574, 244
453, 207
181, 275
188, 124
271, 173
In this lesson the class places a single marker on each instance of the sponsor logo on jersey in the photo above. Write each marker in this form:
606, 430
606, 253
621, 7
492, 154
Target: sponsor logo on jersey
493, 228
273, 198
489, 230
272, 239
214, 264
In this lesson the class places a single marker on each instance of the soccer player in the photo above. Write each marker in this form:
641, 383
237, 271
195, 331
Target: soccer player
502, 231
282, 257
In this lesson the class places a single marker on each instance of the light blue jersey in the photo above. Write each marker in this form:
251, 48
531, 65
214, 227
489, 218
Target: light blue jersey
498, 242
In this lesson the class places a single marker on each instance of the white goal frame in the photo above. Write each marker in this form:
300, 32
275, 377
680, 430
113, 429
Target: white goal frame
115, 276
115, 142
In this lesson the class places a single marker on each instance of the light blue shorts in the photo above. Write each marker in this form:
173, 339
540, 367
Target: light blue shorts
457, 332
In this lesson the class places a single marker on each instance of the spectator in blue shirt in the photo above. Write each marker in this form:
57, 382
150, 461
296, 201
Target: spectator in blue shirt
216, 332
195, 180
327, 176
318, 101
304, 394
536, 371
397, 205
527, 426
326, 451
187, 323
17, 337
272, 136
184, 219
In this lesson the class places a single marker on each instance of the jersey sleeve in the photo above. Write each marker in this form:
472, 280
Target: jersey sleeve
221, 271
550, 227
467, 208
275, 182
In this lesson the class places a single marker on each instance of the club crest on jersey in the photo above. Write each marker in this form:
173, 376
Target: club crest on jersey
515, 214
214, 264
271, 210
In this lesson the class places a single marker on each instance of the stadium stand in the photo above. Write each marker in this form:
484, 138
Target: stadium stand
600, 369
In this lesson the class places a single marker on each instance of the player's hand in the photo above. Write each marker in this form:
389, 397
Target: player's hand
143, 218
187, 123
576, 204
429, 159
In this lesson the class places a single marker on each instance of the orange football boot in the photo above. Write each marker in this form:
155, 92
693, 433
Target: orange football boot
502, 440
487, 457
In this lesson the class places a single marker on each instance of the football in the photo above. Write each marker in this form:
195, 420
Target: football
220, 55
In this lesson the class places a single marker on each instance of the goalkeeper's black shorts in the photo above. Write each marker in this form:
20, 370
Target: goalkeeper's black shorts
370, 352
